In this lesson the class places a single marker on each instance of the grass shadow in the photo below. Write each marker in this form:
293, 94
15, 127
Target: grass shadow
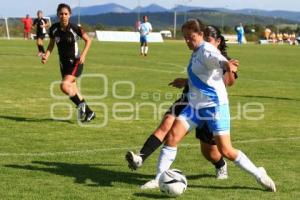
234, 187
82, 173
26, 119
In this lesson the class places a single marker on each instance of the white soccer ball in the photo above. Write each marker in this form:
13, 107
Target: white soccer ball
172, 182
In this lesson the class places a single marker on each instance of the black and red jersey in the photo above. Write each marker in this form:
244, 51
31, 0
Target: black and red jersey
66, 40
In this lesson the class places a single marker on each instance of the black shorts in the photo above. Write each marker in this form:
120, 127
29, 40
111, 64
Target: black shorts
40, 36
70, 67
205, 135
178, 106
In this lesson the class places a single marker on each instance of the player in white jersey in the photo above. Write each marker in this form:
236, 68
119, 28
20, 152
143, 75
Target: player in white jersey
145, 28
208, 103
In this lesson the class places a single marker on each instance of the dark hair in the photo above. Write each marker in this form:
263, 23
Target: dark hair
63, 5
194, 25
214, 32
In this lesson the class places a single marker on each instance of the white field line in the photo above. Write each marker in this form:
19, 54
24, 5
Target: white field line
130, 148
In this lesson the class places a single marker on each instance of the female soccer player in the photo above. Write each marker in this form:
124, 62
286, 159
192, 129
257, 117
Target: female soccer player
65, 35
208, 103
208, 146
41, 25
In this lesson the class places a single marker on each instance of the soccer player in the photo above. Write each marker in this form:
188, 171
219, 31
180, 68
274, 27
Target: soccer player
208, 145
27, 21
66, 35
208, 102
240, 33
145, 28
41, 25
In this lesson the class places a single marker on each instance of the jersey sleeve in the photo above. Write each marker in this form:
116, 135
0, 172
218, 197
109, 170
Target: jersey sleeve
50, 33
35, 22
214, 59
78, 30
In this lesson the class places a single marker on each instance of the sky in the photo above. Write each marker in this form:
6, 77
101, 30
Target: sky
16, 8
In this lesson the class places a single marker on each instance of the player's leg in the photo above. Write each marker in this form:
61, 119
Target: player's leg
221, 130
210, 151
146, 47
152, 143
39, 43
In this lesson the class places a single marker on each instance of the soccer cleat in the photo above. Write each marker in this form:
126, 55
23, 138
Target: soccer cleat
134, 161
81, 110
265, 180
152, 184
222, 173
89, 116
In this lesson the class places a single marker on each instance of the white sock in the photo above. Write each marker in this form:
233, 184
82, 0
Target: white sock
243, 162
142, 49
146, 49
165, 160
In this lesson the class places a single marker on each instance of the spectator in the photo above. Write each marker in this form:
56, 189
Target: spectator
27, 21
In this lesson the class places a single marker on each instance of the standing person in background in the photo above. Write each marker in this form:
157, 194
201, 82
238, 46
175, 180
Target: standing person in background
240, 33
66, 36
41, 25
145, 28
27, 21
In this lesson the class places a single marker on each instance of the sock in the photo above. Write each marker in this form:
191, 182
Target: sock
165, 160
142, 49
40, 48
219, 164
76, 100
243, 162
151, 144
146, 49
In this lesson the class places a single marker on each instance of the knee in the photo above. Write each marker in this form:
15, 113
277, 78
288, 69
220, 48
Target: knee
64, 87
172, 138
228, 152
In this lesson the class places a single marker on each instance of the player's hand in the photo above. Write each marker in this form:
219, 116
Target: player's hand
81, 59
179, 83
44, 58
233, 66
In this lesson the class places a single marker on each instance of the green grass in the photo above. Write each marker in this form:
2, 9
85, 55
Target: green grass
42, 158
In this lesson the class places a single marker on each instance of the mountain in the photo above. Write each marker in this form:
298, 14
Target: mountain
152, 8
100, 9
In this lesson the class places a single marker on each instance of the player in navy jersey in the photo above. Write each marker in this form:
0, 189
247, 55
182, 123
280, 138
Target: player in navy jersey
66, 36
41, 24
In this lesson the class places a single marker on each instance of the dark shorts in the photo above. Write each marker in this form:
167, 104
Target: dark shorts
203, 133
70, 67
40, 36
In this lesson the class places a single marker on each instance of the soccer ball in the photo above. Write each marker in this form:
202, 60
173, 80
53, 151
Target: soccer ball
172, 182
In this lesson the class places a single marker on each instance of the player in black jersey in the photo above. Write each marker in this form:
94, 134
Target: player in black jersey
66, 35
41, 24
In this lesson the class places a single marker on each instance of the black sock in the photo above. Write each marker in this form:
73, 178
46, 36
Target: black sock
219, 164
76, 100
42, 49
150, 146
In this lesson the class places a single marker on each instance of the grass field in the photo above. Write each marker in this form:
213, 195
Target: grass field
42, 157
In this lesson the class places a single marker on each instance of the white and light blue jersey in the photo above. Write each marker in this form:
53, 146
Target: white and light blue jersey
205, 73
145, 28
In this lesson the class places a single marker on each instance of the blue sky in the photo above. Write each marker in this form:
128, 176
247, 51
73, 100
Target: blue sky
15, 8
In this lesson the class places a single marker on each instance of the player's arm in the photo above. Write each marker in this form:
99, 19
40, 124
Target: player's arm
179, 82
87, 46
231, 73
48, 51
